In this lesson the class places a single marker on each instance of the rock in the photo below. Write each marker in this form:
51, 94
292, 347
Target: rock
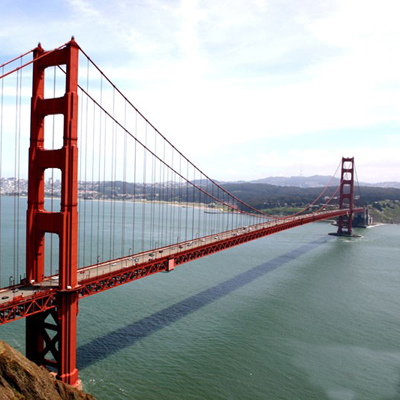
21, 379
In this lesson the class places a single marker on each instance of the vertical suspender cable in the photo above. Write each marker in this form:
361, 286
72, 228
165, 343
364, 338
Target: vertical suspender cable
358, 186
144, 189
193, 200
123, 222
180, 198
112, 191
134, 225
99, 172
212, 219
206, 200
171, 200
168, 214
92, 187
108, 152
163, 234
187, 201
154, 190
152, 244
198, 228
86, 161
160, 206
1, 166
114, 178
81, 146
103, 200
19, 165
171, 207
15, 177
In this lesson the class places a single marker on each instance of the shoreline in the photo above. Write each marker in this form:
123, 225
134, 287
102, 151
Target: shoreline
131, 201
378, 224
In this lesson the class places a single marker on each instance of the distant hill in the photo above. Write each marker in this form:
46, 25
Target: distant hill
298, 181
316, 181
395, 185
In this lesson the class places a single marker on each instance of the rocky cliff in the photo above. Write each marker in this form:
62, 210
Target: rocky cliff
21, 379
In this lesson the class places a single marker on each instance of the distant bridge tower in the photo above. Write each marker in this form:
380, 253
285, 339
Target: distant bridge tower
345, 223
53, 343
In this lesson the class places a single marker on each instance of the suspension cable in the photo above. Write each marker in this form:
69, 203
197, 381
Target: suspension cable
16, 58
30, 62
358, 186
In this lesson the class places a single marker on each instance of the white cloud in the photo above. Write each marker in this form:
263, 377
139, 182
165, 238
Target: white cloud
211, 73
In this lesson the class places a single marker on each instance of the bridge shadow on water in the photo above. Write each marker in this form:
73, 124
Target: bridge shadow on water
100, 348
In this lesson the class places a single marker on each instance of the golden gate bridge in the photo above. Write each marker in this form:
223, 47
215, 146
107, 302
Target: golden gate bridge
143, 206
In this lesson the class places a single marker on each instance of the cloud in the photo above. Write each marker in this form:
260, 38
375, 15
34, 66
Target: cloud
227, 73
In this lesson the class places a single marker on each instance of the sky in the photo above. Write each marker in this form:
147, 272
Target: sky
245, 89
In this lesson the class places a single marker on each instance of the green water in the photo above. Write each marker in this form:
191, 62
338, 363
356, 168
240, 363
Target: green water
297, 315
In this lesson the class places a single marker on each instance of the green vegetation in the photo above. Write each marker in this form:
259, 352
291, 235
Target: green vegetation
386, 211
384, 203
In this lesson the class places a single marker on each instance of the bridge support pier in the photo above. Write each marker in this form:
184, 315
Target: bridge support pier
67, 313
57, 337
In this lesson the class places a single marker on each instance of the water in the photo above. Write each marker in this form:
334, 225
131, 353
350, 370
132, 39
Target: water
109, 230
297, 315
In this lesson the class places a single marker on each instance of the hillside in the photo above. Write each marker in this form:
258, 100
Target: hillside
386, 212
384, 202
21, 379
316, 181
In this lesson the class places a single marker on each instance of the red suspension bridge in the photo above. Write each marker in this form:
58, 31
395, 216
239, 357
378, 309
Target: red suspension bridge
143, 206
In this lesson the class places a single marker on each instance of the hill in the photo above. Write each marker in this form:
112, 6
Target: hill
316, 181
23, 380
277, 199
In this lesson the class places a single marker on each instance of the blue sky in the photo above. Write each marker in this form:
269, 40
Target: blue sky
245, 89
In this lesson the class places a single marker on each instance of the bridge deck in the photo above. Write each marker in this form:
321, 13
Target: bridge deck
22, 300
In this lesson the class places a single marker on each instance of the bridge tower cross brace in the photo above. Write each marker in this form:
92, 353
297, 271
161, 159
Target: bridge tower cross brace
345, 223
58, 338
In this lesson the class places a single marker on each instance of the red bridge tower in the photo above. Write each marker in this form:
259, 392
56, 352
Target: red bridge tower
55, 338
345, 223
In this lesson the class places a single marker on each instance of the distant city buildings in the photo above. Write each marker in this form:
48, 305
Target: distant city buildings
100, 190
14, 187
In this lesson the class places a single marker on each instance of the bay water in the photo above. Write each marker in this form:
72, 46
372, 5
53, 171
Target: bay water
296, 315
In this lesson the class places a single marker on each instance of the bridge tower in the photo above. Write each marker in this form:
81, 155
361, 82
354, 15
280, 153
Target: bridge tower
345, 223
53, 343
